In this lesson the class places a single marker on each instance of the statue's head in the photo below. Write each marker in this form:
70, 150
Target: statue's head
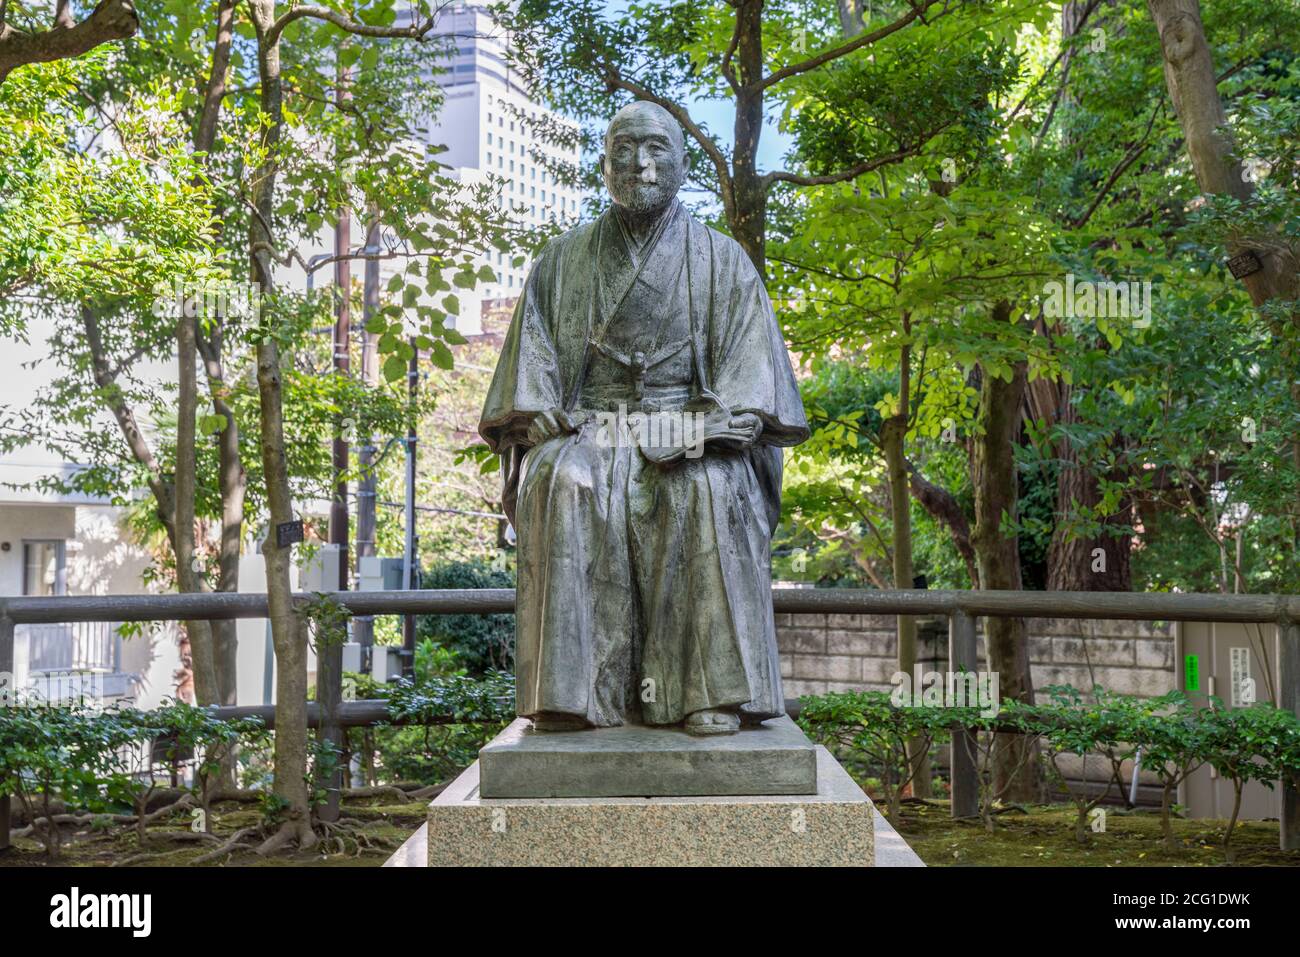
645, 160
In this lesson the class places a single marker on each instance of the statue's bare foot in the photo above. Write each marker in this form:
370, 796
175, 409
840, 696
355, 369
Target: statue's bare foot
558, 721
712, 721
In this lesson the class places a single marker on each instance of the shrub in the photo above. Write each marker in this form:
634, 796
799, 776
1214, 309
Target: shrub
482, 642
859, 725
51, 752
1260, 743
430, 749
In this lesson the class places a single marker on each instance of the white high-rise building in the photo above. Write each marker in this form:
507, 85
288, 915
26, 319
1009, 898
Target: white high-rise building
491, 128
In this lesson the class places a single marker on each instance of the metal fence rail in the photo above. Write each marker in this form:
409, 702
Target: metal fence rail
961, 608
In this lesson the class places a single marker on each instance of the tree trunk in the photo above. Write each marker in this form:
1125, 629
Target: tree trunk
1073, 563
1193, 88
993, 475
188, 574
329, 655
288, 633
1229, 852
852, 21
747, 210
164, 492
893, 432
1166, 815
231, 480
363, 626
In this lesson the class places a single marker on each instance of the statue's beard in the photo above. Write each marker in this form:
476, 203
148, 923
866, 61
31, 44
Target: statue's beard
641, 198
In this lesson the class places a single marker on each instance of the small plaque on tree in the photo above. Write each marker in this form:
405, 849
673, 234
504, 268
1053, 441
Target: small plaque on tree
287, 533
1244, 264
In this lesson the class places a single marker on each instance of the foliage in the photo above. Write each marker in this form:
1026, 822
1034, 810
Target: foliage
1172, 735
90, 758
437, 748
482, 642
864, 728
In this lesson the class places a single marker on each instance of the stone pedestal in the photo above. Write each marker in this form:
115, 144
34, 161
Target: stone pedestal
833, 826
639, 761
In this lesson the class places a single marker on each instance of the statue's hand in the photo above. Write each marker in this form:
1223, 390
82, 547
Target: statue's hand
739, 432
547, 425
748, 423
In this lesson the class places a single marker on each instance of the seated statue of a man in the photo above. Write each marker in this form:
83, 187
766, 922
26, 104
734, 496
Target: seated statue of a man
640, 404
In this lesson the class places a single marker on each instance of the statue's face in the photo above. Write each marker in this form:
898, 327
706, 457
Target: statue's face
645, 160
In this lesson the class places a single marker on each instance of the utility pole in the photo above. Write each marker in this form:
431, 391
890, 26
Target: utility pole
329, 654
410, 569
363, 626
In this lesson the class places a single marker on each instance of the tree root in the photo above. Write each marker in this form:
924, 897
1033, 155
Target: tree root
233, 843
82, 820
287, 832
1009, 808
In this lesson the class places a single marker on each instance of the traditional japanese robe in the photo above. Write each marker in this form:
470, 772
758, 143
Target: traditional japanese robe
644, 592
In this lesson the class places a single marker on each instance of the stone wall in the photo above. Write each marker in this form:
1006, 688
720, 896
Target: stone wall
821, 653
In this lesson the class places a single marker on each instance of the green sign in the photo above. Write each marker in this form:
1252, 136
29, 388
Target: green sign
1191, 673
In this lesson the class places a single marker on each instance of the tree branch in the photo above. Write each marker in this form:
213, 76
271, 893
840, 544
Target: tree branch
857, 43
1130, 157
852, 172
415, 31
110, 20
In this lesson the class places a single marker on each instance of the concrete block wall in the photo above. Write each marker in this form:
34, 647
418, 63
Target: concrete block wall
821, 653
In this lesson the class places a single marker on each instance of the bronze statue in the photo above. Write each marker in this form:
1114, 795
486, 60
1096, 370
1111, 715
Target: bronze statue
640, 405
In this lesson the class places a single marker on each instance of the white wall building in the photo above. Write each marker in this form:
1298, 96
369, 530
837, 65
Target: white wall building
54, 544
492, 129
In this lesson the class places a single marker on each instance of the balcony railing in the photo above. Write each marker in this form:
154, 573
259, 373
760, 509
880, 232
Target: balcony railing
77, 646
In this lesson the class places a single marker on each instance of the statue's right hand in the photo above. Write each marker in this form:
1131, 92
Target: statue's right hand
547, 425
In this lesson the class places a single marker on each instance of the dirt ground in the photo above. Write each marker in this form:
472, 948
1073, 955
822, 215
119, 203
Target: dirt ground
372, 829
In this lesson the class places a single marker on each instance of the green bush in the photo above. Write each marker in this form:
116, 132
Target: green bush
429, 749
863, 728
92, 759
483, 643
1259, 743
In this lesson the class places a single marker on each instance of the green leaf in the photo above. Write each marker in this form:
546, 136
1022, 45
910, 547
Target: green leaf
394, 368
441, 356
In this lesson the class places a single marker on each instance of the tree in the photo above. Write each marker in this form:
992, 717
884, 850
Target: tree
587, 62
453, 247
1268, 253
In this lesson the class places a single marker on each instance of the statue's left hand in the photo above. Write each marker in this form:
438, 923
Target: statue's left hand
748, 422
742, 432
